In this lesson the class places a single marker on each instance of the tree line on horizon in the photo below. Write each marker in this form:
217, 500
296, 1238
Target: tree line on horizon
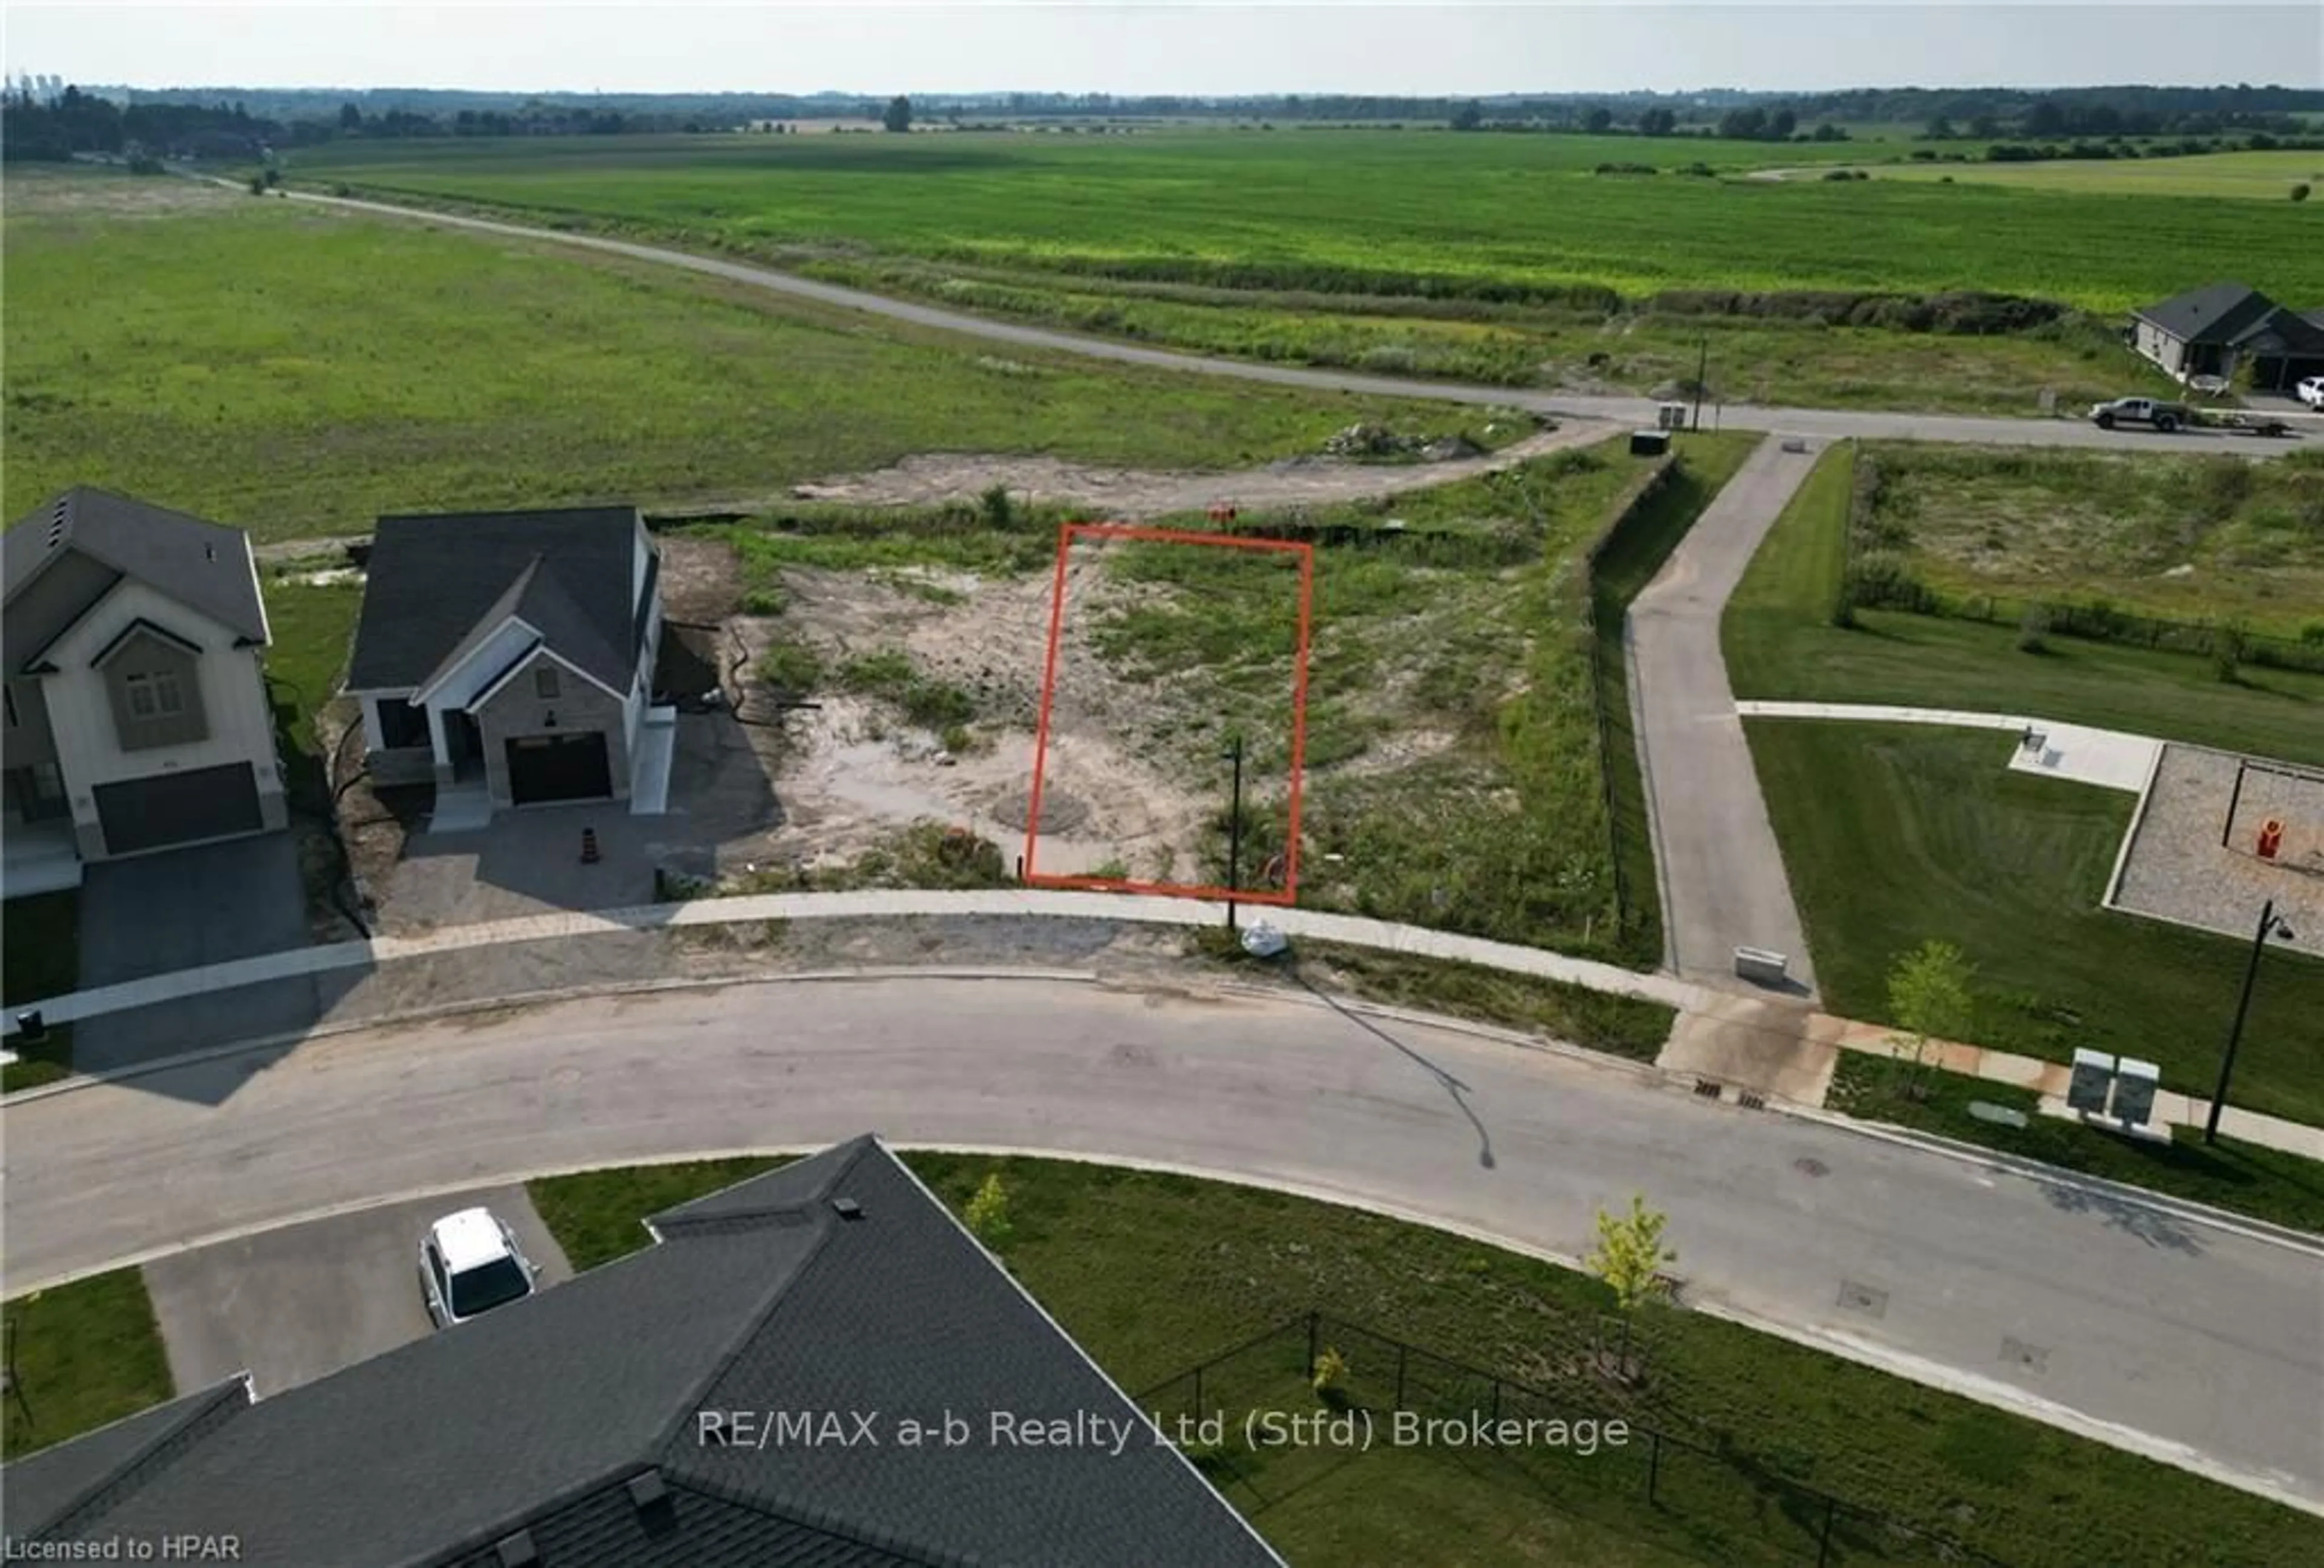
234, 121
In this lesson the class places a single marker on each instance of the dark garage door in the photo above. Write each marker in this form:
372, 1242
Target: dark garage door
177, 808
559, 768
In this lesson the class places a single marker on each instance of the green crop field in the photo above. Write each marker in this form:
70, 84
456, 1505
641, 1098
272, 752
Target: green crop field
2262, 176
1333, 209
298, 371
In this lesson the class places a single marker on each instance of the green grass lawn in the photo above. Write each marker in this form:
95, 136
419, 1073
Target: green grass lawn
1895, 834
1152, 1273
2248, 1178
1253, 208
40, 957
1779, 644
2190, 538
299, 372
86, 1354
313, 632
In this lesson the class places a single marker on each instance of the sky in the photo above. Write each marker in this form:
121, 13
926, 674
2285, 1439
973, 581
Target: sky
1206, 47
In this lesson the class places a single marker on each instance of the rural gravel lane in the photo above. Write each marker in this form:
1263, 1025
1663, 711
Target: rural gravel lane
2199, 1345
1824, 422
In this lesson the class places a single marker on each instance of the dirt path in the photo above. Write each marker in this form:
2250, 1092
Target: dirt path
931, 478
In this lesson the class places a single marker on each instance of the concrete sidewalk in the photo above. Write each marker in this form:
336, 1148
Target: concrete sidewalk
883, 904
2048, 1079
2108, 759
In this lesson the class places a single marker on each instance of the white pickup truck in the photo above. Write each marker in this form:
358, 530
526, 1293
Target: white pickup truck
2165, 417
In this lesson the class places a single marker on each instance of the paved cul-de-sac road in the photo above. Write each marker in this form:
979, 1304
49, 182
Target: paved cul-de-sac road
2198, 1343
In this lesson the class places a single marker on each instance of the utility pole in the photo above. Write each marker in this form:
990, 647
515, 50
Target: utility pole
2269, 925
1702, 369
1234, 829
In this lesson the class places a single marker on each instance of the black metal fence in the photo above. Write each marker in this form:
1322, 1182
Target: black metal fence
1721, 1505
1624, 907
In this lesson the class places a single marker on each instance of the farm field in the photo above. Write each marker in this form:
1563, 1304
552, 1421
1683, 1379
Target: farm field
1453, 767
1780, 643
1741, 358
2267, 176
1153, 1272
1295, 209
298, 371
2185, 538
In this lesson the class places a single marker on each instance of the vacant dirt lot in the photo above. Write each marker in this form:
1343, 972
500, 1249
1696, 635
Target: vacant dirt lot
933, 478
851, 772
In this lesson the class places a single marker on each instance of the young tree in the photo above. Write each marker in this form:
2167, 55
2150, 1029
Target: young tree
1629, 1260
898, 116
1657, 122
1597, 119
1930, 998
1468, 117
988, 1212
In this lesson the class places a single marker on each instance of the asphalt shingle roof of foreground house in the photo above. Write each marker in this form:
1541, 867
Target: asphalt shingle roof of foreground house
435, 583
567, 1431
205, 564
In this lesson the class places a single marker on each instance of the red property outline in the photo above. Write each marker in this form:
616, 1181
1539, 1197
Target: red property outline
1067, 534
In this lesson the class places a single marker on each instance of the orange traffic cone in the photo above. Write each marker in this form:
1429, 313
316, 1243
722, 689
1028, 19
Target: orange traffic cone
589, 846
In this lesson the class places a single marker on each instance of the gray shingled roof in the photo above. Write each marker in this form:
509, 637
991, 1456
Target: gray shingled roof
435, 584
763, 1297
2217, 313
205, 565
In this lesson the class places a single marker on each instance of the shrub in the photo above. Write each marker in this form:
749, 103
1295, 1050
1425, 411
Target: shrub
988, 1212
765, 601
1330, 1373
790, 667
2299, 192
1883, 579
2033, 627
995, 508
2312, 633
2227, 652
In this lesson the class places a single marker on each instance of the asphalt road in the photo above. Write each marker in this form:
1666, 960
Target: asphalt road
2198, 1344
1723, 885
300, 1302
1824, 422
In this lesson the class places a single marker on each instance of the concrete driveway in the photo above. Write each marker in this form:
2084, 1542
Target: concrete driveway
210, 904
295, 1305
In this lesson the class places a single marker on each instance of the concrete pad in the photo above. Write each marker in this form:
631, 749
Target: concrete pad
649, 769
462, 808
2106, 758
294, 1305
1767, 1046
